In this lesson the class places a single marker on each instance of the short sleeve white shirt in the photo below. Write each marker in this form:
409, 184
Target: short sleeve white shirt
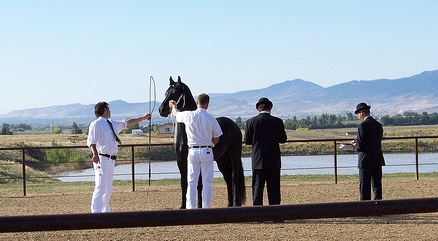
201, 127
100, 134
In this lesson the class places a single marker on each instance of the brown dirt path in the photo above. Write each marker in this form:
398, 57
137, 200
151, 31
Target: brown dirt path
77, 200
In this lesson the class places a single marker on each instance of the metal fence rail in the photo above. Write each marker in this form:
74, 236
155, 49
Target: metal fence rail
215, 215
132, 150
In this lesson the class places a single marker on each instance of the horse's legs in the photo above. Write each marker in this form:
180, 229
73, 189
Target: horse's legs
225, 169
234, 160
200, 191
237, 176
182, 166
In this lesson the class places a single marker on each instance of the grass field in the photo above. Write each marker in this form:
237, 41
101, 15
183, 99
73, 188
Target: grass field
46, 139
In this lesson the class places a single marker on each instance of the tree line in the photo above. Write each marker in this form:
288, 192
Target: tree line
328, 121
324, 121
10, 129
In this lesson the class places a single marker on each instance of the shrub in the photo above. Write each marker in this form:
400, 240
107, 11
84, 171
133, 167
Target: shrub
62, 155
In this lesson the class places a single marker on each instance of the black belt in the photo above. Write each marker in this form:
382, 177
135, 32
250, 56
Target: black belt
108, 156
200, 147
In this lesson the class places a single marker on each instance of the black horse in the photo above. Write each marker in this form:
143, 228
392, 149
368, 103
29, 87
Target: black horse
227, 153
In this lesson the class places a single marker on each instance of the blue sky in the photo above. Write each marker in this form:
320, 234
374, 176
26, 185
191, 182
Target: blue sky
57, 52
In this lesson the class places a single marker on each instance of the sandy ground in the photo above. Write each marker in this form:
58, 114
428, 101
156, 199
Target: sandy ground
77, 200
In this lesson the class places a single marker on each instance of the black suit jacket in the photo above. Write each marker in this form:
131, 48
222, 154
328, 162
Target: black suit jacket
264, 132
369, 143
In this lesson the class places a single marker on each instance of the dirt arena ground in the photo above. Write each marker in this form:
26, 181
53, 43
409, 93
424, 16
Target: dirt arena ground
76, 199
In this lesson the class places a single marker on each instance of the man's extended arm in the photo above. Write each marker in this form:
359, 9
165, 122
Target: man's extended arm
134, 121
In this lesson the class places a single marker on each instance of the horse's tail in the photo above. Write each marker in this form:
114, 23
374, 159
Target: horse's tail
241, 185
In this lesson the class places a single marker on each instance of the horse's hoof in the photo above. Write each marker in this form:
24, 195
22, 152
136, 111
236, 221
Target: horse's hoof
182, 207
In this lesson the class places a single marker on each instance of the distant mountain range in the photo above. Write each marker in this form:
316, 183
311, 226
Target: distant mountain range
297, 97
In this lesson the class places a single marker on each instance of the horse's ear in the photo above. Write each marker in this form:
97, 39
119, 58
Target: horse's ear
171, 80
179, 79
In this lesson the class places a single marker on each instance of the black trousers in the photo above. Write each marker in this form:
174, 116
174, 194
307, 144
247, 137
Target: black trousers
370, 176
272, 179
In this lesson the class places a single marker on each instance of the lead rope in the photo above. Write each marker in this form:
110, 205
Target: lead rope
174, 130
174, 127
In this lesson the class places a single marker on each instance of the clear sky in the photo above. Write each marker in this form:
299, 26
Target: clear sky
55, 52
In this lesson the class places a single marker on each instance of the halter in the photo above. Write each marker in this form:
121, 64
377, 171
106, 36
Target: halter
183, 98
174, 125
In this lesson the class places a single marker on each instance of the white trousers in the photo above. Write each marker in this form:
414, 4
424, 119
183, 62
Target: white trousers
103, 185
200, 160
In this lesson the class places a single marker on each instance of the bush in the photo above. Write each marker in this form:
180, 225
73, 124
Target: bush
63, 155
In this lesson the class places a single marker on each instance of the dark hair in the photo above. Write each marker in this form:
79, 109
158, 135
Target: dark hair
203, 99
99, 108
365, 111
264, 106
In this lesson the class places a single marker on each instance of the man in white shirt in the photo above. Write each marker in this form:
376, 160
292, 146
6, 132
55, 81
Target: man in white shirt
103, 142
203, 132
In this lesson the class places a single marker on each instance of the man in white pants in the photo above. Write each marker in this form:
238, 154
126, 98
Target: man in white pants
103, 142
203, 132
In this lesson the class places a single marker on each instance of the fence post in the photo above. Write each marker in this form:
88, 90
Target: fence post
133, 168
417, 176
335, 162
23, 159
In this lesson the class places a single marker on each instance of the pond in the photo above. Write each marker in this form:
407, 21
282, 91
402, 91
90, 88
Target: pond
291, 165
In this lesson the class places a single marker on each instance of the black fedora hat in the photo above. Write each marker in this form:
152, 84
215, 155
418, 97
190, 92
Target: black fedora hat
265, 101
361, 106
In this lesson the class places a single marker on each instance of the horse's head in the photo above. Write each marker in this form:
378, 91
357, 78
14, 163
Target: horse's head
181, 94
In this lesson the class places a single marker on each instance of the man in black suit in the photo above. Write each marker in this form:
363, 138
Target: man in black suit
370, 159
264, 132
